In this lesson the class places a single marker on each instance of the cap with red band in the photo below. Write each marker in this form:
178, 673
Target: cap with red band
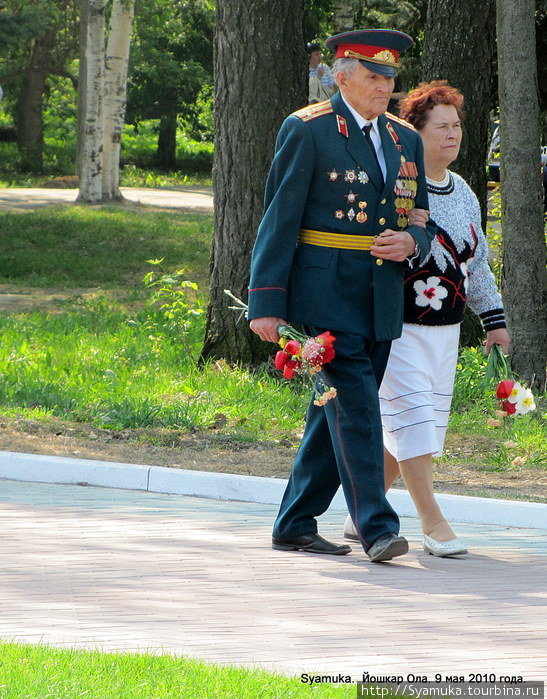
377, 49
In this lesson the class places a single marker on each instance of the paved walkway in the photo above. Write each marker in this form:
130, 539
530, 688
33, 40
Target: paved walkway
115, 569
198, 199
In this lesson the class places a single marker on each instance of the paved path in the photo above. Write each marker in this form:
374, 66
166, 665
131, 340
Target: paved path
199, 199
132, 570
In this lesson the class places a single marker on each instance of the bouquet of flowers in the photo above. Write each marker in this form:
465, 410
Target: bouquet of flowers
514, 398
300, 354
304, 355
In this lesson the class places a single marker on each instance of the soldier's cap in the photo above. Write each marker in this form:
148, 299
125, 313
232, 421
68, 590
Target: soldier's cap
377, 49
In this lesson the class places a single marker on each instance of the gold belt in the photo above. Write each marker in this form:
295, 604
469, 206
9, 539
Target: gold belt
336, 240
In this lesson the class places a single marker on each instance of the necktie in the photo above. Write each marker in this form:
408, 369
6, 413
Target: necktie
366, 131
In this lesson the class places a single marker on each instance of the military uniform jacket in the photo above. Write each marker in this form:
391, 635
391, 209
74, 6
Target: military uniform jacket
324, 178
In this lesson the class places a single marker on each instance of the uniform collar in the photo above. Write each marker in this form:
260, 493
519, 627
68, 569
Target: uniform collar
361, 121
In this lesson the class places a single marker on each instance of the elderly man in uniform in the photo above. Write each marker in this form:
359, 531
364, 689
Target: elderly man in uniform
329, 255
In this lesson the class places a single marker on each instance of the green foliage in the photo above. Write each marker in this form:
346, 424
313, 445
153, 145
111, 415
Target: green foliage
19, 22
42, 671
318, 19
471, 385
171, 61
176, 311
139, 149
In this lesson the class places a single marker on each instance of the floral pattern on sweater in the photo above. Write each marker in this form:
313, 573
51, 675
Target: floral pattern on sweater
456, 271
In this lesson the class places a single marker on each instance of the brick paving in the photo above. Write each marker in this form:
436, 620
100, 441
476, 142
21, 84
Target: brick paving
115, 569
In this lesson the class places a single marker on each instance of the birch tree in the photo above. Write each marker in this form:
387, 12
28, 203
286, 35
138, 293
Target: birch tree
105, 97
115, 94
91, 187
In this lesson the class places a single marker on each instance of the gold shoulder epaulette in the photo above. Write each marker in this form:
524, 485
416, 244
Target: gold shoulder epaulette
398, 120
312, 111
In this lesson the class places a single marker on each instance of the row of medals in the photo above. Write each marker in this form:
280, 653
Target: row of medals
405, 189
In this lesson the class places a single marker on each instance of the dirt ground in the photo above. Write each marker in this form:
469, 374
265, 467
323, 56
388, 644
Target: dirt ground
214, 452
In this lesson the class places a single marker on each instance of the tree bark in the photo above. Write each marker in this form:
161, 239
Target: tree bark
459, 46
260, 78
524, 281
115, 94
82, 86
166, 154
91, 189
30, 124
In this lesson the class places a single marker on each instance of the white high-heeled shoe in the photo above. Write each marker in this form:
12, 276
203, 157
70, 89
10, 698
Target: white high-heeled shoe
454, 547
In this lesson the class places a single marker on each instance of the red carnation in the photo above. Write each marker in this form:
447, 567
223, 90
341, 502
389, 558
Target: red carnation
325, 339
281, 358
290, 368
504, 389
510, 408
328, 354
292, 347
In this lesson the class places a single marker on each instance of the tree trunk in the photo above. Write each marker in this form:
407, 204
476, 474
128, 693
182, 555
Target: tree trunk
82, 86
30, 125
254, 92
91, 189
523, 277
343, 14
115, 94
459, 46
166, 154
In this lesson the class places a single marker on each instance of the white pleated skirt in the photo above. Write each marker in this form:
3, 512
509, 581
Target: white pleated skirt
417, 389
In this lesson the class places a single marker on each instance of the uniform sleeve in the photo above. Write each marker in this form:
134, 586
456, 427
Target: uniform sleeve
285, 199
482, 295
422, 236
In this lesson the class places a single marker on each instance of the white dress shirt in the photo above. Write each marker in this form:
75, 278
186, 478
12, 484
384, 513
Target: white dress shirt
374, 135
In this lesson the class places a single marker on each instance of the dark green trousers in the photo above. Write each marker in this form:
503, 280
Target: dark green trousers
342, 443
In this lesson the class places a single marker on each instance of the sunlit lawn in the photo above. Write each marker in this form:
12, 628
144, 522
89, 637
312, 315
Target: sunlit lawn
110, 359
41, 671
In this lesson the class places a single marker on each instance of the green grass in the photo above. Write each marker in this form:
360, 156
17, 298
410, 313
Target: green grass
41, 671
118, 369
78, 246
113, 359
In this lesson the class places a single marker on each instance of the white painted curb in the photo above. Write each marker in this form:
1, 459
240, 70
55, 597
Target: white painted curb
226, 486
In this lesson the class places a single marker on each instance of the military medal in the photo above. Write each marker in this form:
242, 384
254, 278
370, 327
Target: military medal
361, 217
362, 177
339, 214
333, 175
405, 189
350, 176
351, 197
351, 214
362, 205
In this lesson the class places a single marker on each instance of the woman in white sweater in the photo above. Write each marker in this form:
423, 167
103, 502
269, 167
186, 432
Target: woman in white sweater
417, 387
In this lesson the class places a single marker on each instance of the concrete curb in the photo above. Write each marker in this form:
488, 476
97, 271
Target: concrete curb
225, 486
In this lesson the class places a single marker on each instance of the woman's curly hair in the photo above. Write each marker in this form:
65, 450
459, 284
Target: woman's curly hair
416, 105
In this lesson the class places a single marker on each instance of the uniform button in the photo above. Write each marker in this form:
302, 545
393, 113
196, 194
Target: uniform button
379, 261
382, 221
383, 201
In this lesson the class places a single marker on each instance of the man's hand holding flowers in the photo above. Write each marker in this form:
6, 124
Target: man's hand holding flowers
266, 328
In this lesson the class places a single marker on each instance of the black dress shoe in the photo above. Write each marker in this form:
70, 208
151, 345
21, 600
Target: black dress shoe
311, 543
386, 547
